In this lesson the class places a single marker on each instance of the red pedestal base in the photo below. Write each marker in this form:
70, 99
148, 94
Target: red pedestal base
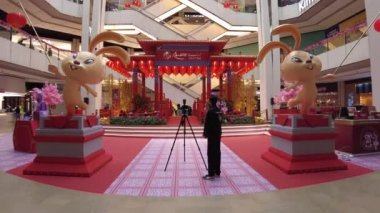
24, 136
68, 146
303, 164
303, 144
66, 167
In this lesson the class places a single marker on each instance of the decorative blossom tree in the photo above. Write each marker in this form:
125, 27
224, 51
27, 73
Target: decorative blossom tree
46, 97
51, 95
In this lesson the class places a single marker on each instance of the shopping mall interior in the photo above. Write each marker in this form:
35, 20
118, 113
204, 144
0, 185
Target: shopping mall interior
135, 138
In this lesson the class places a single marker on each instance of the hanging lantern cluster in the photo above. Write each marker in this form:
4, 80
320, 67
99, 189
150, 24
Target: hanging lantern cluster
218, 67
231, 3
182, 70
118, 66
145, 66
133, 3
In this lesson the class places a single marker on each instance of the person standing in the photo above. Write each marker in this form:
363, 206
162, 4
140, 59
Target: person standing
213, 132
17, 112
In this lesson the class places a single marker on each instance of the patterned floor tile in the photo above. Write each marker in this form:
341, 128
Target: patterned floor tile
184, 178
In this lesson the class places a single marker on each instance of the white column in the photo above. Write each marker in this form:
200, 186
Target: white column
97, 25
85, 25
276, 82
265, 67
372, 9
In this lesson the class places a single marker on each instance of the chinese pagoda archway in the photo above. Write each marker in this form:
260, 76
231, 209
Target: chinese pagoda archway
183, 57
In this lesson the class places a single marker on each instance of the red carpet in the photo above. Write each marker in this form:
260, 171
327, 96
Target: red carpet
251, 148
123, 153
175, 120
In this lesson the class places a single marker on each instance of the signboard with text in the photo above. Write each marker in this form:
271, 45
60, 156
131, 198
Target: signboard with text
182, 55
304, 5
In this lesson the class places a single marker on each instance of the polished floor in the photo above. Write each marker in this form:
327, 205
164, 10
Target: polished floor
358, 194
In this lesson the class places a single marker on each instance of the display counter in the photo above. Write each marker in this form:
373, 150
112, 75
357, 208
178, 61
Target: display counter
357, 136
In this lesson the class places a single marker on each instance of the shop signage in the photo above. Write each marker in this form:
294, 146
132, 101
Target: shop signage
193, 15
181, 55
304, 5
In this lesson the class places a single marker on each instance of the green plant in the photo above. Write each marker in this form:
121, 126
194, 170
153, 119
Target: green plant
136, 121
141, 104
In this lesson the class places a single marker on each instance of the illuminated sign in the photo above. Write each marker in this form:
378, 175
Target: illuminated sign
304, 5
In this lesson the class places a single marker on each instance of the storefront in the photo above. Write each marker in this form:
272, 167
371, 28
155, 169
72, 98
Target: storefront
327, 94
358, 92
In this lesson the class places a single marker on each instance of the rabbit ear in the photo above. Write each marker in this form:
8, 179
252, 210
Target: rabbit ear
116, 51
293, 30
268, 47
108, 35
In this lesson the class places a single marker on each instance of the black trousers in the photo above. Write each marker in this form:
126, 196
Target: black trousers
213, 155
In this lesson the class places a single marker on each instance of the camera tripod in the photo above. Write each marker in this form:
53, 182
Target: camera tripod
184, 118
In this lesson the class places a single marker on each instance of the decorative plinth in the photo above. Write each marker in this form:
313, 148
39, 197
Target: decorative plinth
24, 136
303, 144
68, 146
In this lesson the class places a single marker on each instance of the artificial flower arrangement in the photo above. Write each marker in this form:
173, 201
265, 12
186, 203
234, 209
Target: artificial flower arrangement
45, 99
285, 95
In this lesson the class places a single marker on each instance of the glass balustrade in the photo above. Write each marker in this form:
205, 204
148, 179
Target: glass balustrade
25, 39
337, 40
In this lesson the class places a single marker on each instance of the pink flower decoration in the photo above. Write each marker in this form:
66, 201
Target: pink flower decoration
51, 94
285, 95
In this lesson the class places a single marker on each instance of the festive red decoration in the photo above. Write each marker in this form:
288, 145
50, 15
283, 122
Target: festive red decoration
377, 25
235, 6
16, 20
227, 4
127, 5
134, 63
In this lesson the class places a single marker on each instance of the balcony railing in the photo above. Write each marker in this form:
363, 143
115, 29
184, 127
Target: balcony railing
339, 39
28, 40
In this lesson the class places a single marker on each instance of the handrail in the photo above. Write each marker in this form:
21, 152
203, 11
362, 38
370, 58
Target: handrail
325, 42
152, 17
192, 32
176, 30
192, 82
151, 4
59, 53
176, 84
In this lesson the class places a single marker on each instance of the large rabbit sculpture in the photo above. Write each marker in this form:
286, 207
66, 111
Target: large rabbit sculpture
85, 68
298, 67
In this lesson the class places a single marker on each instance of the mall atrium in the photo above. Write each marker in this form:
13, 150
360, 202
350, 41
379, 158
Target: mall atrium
106, 105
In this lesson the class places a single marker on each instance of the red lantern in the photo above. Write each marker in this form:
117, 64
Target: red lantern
138, 4
235, 6
377, 25
134, 63
182, 71
223, 64
127, 5
16, 20
227, 4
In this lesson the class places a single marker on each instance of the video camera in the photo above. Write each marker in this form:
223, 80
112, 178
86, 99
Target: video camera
185, 109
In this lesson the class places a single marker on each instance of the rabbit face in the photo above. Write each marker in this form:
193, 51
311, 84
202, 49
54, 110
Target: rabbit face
83, 67
300, 66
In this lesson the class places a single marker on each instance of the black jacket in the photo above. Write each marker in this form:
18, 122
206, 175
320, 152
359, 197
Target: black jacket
213, 123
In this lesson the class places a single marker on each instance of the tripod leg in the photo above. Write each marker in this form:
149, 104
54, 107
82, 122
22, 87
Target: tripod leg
184, 138
171, 150
191, 128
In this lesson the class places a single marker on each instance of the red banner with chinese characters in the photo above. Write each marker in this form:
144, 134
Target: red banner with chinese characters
182, 55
